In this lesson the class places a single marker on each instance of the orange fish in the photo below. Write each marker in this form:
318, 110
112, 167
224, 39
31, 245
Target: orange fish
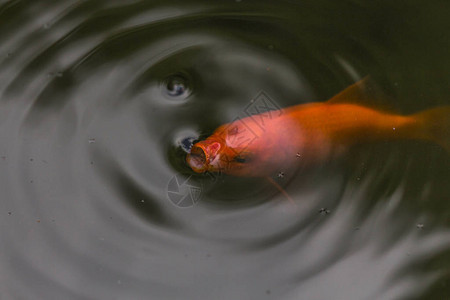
263, 145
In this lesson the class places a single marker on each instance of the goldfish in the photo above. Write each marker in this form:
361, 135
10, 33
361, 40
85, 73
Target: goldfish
262, 146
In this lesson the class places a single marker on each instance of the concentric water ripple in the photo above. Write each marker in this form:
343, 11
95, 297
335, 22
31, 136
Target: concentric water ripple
100, 100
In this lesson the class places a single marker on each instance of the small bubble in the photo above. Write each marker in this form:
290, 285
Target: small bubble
281, 175
142, 200
298, 155
393, 128
91, 141
176, 86
9, 213
420, 226
186, 144
324, 211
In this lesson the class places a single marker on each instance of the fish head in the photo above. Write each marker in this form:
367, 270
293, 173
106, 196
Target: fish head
213, 155
225, 151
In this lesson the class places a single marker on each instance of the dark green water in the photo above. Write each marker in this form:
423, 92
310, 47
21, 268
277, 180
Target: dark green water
97, 96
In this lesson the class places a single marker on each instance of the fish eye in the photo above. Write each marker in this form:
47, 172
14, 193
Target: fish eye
240, 159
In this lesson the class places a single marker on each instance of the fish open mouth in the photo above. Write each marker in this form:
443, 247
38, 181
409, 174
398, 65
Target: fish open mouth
198, 159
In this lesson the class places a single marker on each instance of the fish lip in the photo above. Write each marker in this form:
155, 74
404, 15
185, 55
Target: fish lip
198, 159
203, 154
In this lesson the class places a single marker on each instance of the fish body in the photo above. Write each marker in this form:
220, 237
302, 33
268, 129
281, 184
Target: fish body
265, 144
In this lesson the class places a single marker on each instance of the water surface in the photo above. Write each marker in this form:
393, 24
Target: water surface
97, 98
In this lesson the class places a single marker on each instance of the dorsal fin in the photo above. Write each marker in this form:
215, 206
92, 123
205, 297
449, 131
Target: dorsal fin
364, 92
354, 93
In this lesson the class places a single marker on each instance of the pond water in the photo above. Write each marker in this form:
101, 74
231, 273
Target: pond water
100, 100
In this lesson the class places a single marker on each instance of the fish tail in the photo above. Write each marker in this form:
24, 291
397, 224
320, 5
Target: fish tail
435, 125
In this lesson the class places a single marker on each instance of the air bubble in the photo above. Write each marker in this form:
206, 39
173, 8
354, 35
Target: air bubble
186, 144
176, 86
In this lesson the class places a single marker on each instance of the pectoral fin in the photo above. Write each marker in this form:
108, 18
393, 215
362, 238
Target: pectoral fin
279, 188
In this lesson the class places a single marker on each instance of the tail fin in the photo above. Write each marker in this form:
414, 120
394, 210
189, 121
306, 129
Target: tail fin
436, 125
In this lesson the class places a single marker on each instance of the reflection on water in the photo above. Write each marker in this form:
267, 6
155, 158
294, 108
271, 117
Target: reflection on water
100, 100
